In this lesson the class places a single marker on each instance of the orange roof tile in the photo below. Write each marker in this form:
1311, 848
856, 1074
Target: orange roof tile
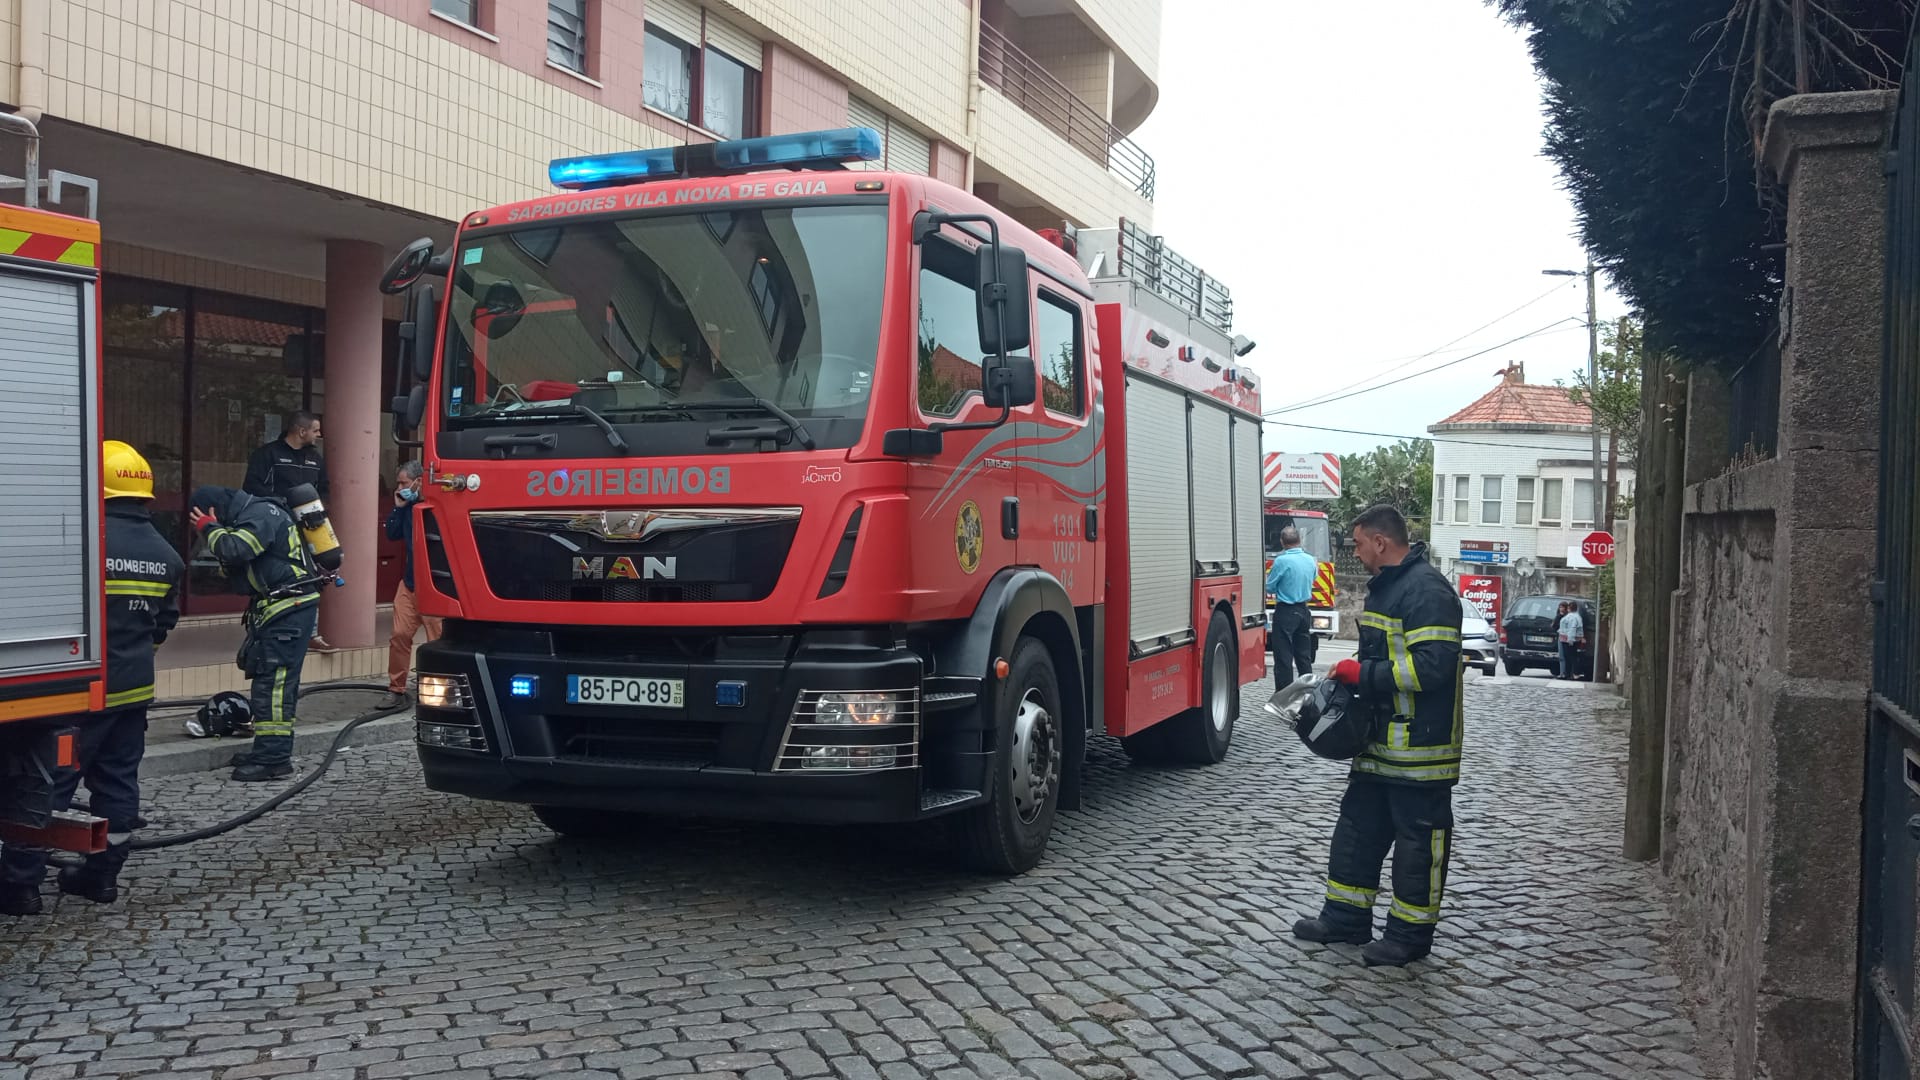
1519, 403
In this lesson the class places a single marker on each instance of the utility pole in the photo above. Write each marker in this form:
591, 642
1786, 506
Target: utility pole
1601, 503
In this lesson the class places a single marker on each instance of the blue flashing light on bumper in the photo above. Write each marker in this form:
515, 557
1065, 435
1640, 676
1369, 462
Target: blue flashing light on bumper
812, 148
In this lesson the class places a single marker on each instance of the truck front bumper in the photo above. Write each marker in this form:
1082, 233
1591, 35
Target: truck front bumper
764, 730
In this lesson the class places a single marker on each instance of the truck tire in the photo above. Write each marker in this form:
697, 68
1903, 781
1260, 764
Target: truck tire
585, 822
1199, 736
1008, 834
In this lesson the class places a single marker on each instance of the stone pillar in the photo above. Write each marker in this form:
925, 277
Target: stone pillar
1708, 404
353, 430
1826, 149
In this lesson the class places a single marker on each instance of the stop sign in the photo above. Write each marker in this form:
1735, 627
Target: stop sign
1597, 548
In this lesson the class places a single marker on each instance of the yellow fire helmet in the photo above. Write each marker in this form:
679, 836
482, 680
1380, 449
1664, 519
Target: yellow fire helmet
128, 476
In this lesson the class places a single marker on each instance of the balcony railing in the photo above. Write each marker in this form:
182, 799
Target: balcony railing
1022, 79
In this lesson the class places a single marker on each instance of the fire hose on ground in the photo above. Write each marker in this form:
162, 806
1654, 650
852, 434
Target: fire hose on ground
333, 751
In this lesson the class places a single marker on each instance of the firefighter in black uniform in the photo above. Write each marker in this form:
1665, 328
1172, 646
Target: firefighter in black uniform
277, 468
143, 587
1400, 794
261, 550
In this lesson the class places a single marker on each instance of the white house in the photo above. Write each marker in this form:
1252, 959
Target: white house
1513, 488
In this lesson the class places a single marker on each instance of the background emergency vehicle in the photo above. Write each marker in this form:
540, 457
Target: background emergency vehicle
820, 495
1291, 480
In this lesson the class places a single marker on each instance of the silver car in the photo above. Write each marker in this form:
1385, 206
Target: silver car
1479, 641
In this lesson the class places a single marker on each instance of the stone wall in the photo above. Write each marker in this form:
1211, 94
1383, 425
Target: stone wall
1725, 609
1767, 684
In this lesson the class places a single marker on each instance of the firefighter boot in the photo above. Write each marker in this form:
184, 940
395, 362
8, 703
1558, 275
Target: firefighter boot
270, 759
253, 772
1394, 952
1328, 932
19, 899
88, 885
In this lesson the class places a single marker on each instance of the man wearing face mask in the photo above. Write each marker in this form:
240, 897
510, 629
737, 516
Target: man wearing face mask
1407, 677
407, 619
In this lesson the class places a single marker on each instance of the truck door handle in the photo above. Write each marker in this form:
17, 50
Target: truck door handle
1010, 518
1093, 523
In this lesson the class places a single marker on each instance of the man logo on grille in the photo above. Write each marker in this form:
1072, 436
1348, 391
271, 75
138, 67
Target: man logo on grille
650, 569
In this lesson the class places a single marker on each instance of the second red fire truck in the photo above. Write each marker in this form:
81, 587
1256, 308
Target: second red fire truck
769, 489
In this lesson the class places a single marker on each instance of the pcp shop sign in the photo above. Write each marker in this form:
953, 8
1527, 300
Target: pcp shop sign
1484, 591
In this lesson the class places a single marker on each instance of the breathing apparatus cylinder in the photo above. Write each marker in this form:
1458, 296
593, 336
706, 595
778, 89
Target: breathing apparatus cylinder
310, 514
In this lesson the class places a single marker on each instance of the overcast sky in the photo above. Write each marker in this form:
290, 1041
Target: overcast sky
1370, 189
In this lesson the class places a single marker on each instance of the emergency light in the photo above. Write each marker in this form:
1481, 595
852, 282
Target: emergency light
815, 148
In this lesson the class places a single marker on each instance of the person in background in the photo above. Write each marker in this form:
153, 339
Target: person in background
1290, 583
285, 463
143, 576
407, 619
1573, 634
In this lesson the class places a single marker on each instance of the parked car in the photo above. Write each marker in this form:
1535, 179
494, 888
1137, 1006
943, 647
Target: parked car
1533, 634
1479, 641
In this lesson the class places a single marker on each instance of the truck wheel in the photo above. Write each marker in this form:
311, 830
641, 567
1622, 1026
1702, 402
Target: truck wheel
585, 822
1009, 833
1514, 668
1201, 736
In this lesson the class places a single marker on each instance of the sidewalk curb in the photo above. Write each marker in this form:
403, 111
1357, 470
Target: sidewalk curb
209, 755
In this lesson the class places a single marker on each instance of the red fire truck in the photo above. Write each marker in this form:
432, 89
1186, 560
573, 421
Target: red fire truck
52, 603
1293, 479
820, 495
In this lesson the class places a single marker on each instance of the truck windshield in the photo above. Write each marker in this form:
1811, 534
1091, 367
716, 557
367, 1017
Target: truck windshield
670, 320
1314, 534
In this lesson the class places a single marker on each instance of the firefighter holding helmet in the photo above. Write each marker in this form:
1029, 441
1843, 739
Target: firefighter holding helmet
143, 576
1407, 681
260, 548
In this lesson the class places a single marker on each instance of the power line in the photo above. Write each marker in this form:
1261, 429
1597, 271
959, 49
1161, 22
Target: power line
1425, 371
1426, 438
1559, 286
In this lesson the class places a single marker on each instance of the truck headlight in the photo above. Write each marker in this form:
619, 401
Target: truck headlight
836, 707
445, 692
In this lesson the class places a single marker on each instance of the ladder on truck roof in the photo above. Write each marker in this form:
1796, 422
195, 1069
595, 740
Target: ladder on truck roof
1132, 253
55, 183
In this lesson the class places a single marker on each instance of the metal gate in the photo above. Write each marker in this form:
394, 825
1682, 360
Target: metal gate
1891, 866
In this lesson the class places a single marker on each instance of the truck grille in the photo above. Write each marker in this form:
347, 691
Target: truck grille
603, 740
662, 556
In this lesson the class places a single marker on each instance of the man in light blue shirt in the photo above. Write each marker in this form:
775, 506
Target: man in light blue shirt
1290, 583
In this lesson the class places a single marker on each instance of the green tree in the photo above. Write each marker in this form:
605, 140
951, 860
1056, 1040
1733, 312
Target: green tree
1616, 401
1654, 111
1399, 474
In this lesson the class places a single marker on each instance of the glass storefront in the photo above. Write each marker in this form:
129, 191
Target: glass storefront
196, 380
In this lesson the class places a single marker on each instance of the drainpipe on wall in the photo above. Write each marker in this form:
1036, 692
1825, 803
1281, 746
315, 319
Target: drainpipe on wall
30, 93
973, 87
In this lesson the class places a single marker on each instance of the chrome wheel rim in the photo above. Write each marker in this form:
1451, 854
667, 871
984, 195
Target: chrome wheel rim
1036, 757
1222, 672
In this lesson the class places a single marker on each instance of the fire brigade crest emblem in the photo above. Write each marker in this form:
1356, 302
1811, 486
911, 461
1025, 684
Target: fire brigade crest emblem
966, 536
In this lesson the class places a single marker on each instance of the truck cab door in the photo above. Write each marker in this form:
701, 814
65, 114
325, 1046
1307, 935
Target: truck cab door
1059, 471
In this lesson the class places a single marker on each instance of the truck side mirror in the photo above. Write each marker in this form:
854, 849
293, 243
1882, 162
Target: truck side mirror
1005, 318
406, 267
423, 309
1010, 383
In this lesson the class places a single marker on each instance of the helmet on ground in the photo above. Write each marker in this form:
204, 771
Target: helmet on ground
1332, 722
126, 473
224, 715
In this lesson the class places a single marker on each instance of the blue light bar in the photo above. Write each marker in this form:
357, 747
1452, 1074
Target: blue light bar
603, 169
524, 686
816, 148
809, 148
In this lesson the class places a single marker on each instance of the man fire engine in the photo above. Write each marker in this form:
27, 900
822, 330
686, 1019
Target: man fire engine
820, 495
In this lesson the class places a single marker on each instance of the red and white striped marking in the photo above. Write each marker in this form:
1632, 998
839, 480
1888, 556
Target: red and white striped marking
1322, 469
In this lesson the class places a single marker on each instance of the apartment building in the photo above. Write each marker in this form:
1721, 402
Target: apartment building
1513, 488
259, 160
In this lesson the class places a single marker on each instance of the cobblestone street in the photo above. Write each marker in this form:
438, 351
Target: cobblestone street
373, 929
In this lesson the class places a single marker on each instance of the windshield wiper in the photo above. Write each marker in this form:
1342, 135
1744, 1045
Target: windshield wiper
729, 434
569, 408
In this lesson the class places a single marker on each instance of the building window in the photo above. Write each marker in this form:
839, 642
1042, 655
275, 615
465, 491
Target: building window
1462, 499
1492, 492
567, 34
1580, 514
1058, 344
666, 81
950, 353
466, 12
729, 96
1550, 502
1440, 499
1523, 501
